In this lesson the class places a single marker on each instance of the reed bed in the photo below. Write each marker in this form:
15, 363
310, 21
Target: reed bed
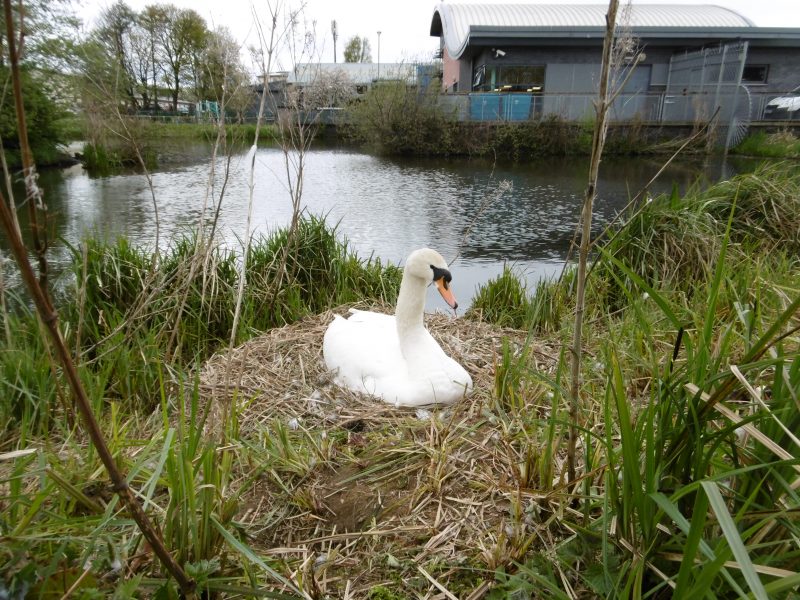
689, 398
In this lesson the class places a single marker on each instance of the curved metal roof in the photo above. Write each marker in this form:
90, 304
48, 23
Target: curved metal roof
454, 21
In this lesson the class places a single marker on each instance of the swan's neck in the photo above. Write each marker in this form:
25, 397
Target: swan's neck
410, 307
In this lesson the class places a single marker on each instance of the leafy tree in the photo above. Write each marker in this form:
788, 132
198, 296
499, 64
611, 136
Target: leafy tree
41, 115
46, 58
183, 36
51, 34
113, 35
219, 73
135, 58
357, 49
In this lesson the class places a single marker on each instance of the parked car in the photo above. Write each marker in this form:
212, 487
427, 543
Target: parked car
784, 108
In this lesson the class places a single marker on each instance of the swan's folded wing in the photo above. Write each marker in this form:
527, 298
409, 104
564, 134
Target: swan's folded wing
362, 349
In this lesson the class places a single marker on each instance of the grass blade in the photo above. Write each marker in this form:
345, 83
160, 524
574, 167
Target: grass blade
734, 540
248, 553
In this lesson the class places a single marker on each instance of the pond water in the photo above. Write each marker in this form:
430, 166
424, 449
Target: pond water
385, 207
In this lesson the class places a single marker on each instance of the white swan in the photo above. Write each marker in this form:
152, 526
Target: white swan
394, 357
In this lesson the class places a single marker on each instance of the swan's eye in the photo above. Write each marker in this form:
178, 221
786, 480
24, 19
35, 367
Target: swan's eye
442, 274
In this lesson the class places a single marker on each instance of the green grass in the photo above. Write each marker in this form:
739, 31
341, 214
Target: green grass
72, 128
235, 132
503, 301
775, 145
693, 311
128, 311
693, 315
107, 154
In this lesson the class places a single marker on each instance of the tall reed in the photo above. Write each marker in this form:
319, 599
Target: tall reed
692, 387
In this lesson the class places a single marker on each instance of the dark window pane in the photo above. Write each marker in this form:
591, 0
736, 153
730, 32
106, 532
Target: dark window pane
755, 73
520, 79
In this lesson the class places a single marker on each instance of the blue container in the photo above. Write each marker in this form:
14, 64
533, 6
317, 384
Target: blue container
485, 107
518, 107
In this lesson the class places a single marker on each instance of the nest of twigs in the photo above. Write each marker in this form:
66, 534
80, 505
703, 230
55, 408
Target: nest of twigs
368, 494
281, 374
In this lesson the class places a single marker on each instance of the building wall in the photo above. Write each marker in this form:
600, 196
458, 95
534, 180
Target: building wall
575, 70
456, 76
784, 68
449, 71
572, 74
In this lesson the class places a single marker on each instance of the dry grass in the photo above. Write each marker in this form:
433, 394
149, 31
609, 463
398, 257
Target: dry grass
781, 137
283, 375
358, 493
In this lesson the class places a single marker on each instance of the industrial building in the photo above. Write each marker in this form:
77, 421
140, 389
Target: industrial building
522, 61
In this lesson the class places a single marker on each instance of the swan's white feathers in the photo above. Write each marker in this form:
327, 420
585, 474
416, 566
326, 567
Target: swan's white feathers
366, 352
354, 345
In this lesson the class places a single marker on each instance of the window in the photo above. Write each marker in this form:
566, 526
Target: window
637, 82
755, 73
526, 79
520, 79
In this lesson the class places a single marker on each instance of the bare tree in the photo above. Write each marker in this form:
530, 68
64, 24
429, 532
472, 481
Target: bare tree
329, 88
142, 67
295, 130
153, 20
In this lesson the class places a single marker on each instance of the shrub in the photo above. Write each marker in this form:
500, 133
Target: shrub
397, 119
503, 301
42, 115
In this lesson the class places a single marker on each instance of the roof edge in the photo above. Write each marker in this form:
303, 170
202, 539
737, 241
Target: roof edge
456, 41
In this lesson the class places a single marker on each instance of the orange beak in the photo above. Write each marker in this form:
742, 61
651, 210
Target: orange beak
446, 293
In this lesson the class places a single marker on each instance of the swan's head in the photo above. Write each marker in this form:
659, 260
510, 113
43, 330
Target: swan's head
429, 265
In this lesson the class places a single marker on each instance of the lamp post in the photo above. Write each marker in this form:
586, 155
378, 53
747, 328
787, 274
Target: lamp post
379, 55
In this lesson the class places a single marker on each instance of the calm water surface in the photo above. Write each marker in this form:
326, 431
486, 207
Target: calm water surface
385, 207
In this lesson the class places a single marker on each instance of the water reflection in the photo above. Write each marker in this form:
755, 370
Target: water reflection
385, 207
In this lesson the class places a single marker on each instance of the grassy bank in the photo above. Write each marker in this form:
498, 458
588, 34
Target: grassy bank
435, 134
396, 120
129, 309
690, 397
688, 455
408, 128
107, 153
770, 145
234, 132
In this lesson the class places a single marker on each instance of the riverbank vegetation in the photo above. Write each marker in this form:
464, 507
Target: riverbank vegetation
209, 405
150, 144
780, 144
124, 307
394, 119
687, 458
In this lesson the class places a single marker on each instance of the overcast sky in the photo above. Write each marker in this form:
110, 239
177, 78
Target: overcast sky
404, 24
